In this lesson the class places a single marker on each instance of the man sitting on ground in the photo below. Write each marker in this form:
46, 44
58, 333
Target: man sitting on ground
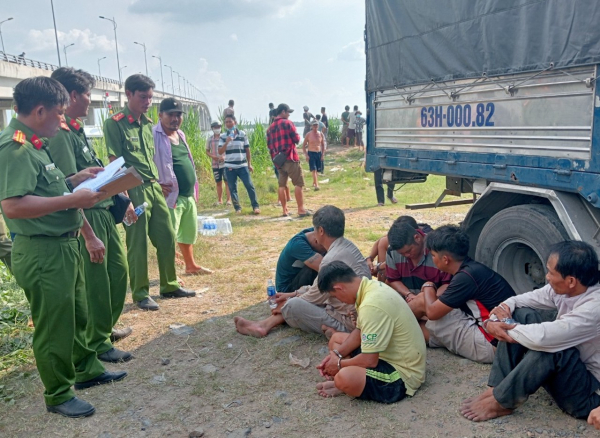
391, 361
456, 317
308, 309
379, 249
563, 355
299, 261
409, 265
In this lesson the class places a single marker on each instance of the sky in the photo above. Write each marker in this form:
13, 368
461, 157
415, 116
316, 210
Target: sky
299, 52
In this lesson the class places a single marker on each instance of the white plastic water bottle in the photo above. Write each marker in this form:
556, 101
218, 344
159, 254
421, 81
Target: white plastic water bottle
271, 291
139, 210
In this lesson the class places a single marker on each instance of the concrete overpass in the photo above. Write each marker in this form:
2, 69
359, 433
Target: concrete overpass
14, 69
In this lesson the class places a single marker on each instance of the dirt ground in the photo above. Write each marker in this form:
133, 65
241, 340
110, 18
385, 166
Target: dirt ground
214, 379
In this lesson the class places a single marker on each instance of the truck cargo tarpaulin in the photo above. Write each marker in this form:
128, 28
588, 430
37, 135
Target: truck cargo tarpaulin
409, 41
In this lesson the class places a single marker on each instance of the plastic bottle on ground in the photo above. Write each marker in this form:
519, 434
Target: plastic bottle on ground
271, 294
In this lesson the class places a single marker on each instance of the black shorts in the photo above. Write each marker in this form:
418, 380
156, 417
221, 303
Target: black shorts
384, 384
314, 160
219, 174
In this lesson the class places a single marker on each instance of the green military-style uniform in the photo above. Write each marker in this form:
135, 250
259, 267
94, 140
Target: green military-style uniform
106, 282
133, 140
47, 264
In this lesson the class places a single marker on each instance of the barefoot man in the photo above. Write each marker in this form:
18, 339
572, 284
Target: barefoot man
383, 359
316, 151
307, 308
563, 355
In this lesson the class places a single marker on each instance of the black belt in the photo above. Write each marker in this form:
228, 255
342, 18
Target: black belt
149, 181
70, 234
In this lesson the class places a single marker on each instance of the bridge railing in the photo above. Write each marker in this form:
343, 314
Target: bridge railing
21, 60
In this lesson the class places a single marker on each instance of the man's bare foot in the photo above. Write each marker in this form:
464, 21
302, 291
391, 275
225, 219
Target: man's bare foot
249, 328
483, 408
199, 270
328, 389
328, 331
181, 282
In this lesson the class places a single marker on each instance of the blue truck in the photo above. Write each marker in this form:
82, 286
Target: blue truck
501, 97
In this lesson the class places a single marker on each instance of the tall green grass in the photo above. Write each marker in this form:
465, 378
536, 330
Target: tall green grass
334, 133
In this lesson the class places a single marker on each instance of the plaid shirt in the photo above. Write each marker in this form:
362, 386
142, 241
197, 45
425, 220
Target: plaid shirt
282, 137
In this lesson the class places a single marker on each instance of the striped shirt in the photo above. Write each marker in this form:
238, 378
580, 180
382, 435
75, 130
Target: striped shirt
399, 268
235, 154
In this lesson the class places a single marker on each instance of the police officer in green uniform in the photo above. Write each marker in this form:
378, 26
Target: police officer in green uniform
104, 260
128, 134
5, 245
46, 258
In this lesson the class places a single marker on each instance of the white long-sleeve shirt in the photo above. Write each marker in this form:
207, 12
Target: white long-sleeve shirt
577, 324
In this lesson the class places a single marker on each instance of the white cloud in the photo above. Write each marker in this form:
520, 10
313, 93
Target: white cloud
355, 51
84, 39
209, 80
233, 37
212, 11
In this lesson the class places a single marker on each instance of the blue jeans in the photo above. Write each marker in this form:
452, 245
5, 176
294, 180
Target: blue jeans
244, 174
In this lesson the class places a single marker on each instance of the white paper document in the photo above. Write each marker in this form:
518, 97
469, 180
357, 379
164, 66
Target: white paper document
110, 173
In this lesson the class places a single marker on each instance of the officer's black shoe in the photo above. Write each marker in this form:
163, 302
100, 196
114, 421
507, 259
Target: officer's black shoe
74, 408
118, 334
147, 304
179, 293
105, 377
114, 355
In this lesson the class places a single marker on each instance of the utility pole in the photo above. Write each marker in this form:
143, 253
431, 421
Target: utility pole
145, 58
65, 50
2, 39
178, 82
172, 83
116, 44
55, 32
100, 71
161, 75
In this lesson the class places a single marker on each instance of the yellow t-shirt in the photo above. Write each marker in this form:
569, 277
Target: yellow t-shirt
388, 327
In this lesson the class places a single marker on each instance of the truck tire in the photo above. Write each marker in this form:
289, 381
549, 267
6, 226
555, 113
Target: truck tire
516, 243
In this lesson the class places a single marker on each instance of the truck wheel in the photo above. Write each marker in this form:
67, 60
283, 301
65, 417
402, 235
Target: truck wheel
516, 243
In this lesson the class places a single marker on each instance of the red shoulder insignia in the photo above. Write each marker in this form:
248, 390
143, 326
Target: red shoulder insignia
118, 117
19, 137
130, 118
37, 143
76, 125
64, 126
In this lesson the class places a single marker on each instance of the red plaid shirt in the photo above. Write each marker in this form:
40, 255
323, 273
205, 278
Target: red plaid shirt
282, 137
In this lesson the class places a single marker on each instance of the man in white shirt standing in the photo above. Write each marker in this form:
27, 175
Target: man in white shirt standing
352, 127
563, 356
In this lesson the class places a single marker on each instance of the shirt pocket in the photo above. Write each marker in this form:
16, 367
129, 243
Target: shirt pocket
87, 155
133, 142
52, 174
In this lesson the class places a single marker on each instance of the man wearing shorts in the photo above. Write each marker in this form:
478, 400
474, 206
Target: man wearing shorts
352, 127
390, 363
282, 138
177, 178
345, 121
456, 318
316, 150
360, 123
218, 162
